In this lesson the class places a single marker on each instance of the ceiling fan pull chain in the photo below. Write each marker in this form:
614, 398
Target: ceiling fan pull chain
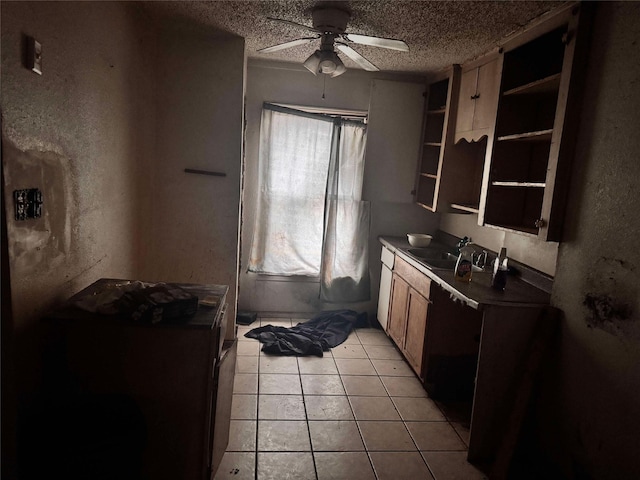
324, 84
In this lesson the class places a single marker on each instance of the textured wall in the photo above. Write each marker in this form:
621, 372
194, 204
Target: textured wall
82, 132
590, 416
392, 210
193, 234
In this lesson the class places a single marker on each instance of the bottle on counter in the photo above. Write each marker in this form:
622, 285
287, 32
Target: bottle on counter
500, 268
464, 265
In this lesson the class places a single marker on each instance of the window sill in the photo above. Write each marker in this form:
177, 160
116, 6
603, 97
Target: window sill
261, 277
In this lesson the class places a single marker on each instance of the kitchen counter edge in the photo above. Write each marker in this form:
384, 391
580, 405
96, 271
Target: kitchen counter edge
476, 295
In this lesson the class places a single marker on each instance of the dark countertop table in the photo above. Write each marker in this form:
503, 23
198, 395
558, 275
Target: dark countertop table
205, 317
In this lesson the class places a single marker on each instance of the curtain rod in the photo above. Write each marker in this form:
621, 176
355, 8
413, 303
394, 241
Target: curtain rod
317, 116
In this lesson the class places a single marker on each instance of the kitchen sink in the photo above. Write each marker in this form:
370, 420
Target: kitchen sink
431, 254
436, 259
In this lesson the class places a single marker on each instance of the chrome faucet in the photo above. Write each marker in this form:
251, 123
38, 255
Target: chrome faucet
480, 258
462, 243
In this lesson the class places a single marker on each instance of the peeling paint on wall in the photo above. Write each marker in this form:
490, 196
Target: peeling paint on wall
46, 240
612, 297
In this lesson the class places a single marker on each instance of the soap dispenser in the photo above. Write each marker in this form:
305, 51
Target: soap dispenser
464, 265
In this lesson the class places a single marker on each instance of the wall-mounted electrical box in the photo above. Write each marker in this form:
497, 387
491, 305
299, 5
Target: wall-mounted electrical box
34, 55
28, 203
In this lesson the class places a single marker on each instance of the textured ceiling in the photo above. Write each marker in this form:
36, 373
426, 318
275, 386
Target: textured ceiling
439, 33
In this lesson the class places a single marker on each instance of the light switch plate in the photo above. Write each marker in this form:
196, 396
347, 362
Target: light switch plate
34, 55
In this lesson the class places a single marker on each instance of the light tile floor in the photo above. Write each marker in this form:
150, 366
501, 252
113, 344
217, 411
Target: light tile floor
358, 413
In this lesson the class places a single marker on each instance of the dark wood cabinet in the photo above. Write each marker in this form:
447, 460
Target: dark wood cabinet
526, 181
179, 375
499, 131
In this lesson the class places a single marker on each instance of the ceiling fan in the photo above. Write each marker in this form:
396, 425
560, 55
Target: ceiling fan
330, 25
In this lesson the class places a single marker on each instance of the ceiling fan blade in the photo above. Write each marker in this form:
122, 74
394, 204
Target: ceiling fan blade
292, 43
294, 24
377, 42
356, 57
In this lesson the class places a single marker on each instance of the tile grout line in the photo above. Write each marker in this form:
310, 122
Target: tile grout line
364, 445
306, 417
255, 473
404, 423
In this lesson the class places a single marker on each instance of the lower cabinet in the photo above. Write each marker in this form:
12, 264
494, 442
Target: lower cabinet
178, 375
416, 328
408, 310
222, 396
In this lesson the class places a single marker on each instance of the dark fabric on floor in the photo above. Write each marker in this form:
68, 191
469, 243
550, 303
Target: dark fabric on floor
324, 331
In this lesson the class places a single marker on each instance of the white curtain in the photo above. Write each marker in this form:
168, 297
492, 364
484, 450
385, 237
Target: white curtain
294, 154
310, 220
345, 252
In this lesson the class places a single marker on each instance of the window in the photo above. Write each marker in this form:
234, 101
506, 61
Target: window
311, 170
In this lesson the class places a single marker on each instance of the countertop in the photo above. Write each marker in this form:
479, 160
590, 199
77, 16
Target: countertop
206, 316
477, 293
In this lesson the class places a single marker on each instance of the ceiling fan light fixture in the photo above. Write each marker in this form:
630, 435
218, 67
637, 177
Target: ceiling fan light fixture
340, 68
326, 62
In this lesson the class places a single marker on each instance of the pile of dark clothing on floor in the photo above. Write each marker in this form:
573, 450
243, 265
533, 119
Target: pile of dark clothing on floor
324, 331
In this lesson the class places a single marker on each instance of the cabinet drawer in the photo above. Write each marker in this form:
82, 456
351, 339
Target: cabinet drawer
387, 257
419, 281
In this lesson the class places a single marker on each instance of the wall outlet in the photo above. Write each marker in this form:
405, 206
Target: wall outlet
28, 203
34, 55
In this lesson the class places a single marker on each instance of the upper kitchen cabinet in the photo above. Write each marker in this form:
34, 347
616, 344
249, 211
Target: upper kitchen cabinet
477, 99
450, 174
527, 176
436, 133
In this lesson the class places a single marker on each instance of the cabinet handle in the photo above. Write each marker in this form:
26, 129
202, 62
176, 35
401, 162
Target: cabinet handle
473, 97
540, 223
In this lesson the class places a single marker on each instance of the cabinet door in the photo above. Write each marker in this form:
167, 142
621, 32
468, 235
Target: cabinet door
416, 330
222, 396
466, 102
487, 93
398, 310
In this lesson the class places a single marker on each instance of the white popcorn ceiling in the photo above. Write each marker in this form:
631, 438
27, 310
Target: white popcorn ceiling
439, 33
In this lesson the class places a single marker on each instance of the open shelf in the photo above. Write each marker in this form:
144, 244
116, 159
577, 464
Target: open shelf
466, 208
434, 138
535, 61
517, 228
539, 136
430, 159
519, 184
426, 190
528, 169
423, 205
438, 95
543, 85
515, 208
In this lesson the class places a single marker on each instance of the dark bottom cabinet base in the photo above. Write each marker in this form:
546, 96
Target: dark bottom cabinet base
451, 377
452, 346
